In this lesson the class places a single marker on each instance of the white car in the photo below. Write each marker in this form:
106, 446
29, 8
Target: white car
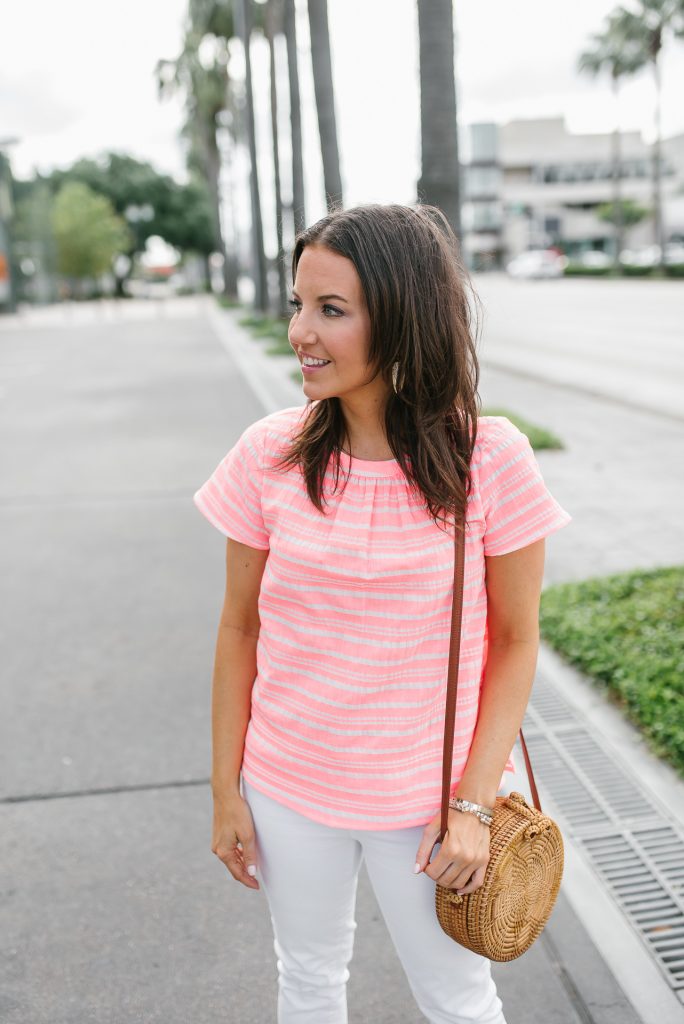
537, 263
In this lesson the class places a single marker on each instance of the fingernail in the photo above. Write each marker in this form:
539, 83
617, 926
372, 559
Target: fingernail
416, 870
251, 870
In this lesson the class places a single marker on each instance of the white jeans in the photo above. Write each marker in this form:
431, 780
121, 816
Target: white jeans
309, 874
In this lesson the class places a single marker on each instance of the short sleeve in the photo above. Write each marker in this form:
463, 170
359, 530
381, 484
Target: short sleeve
518, 507
231, 498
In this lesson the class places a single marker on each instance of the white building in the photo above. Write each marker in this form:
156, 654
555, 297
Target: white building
531, 184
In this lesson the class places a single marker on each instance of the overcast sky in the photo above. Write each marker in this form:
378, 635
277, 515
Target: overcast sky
77, 77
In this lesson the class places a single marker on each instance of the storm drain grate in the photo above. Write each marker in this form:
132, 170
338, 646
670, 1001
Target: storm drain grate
625, 799
549, 708
634, 849
580, 805
644, 896
666, 849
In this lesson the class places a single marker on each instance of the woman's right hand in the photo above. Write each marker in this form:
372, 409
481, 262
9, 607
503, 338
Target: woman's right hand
234, 840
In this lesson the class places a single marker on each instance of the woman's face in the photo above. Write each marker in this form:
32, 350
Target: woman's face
331, 322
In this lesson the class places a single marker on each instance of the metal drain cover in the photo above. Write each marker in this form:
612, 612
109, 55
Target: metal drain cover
636, 850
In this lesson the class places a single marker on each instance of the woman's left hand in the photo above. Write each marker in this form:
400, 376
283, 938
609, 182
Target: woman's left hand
463, 855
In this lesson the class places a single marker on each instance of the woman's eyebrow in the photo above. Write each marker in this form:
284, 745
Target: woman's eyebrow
322, 298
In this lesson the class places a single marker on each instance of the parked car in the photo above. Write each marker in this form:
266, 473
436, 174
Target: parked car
537, 263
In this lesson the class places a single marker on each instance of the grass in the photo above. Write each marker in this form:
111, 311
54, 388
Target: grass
626, 633
539, 436
269, 328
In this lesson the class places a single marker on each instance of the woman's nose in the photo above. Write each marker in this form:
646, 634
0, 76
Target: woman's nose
300, 331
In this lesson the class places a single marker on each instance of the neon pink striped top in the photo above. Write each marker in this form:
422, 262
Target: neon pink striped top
348, 703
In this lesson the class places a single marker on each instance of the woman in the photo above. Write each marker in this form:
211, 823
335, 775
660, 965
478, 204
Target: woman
331, 661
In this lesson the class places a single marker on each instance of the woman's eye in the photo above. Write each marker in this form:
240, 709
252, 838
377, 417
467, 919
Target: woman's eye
296, 305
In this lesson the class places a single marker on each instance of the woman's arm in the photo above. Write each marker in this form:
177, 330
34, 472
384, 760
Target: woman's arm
235, 665
514, 584
513, 592
233, 837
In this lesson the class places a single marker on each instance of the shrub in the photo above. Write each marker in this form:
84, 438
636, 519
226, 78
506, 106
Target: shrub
626, 633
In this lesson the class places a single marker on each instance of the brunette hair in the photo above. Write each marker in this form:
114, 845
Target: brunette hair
417, 292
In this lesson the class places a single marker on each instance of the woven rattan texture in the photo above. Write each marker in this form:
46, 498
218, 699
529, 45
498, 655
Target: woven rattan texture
502, 918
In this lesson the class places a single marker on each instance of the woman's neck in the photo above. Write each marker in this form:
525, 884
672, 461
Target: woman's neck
364, 435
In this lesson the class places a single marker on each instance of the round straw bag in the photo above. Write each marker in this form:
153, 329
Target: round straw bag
502, 918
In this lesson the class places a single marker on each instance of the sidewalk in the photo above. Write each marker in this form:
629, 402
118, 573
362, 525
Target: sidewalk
591, 963
114, 911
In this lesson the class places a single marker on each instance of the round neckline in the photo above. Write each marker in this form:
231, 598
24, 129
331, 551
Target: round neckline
379, 467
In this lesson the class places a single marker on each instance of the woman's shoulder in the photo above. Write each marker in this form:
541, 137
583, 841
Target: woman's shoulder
494, 434
270, 433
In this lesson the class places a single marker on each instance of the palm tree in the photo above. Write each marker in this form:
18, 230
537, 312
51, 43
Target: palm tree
298, 203
273, 26
244, 21
325, 100
612, 53
439, 180
207, 96
646, 28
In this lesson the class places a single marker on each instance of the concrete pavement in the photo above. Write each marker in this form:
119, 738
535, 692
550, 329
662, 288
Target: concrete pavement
113, 907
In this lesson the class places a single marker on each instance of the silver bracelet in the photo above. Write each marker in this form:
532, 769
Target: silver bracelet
485, 814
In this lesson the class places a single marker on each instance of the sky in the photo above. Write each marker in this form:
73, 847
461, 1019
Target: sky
77, 78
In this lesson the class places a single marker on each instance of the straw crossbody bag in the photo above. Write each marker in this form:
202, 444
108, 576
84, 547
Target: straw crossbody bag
502, 918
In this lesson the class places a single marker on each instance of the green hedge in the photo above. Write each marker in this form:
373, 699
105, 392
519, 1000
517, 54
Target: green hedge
626, 633
577, 270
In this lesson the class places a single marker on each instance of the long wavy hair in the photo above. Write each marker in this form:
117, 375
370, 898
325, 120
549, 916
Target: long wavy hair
418, 294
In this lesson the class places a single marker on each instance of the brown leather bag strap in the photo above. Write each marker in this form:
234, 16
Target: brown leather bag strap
452, 686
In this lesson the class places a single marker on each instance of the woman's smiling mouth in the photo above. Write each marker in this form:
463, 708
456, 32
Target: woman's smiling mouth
310, 363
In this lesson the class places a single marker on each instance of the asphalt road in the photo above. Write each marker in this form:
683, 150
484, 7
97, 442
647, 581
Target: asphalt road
622, 340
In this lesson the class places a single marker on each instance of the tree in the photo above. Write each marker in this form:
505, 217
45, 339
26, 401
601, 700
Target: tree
206, 89
181, 213
614, 54
88, 232
646, 28
244, 22
439, 182
325, 101
272, 26
626, 212
298, 199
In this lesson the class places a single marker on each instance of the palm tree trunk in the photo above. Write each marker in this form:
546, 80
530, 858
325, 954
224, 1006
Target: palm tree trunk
232, 246
439, 181
272, 27
325, 100
658, 226
243, 11
619, 219
212, 170
298, 201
